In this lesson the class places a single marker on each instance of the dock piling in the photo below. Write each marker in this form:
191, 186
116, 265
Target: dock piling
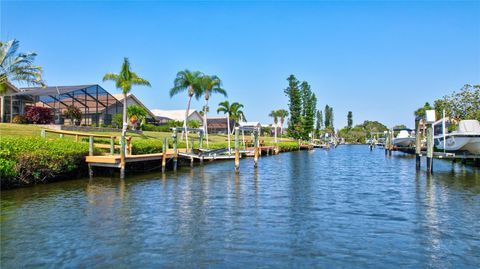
122, 156
255, 149
112, 144
237, 151
164, 154
418, 143
175, 150
430, 149
90, 146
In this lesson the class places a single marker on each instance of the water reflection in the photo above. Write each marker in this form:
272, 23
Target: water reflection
349, 207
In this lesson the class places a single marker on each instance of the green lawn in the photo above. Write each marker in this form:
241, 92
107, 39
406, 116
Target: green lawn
28, 130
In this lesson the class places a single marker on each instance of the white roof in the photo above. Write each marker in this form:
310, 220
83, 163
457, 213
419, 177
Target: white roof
178, 115
249, 124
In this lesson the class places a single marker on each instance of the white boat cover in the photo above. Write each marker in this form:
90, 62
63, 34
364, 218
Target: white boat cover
403, 134
469, 126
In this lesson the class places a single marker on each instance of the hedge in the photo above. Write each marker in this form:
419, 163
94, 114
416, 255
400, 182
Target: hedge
27, 160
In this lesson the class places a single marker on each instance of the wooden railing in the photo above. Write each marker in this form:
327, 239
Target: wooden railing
91, 137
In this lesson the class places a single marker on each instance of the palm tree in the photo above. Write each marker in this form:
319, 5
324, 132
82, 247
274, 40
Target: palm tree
124, 81
190, 81
208, 86
234, 112
18, 66
282, 113
274, 114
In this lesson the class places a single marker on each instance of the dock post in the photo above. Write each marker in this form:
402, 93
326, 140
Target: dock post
418, 143
387, 142
390, 148
122, 156
43, 134
237, 152
175, 150
164, 154
112, 145
430, 149
90, 146
255, 149
200, 141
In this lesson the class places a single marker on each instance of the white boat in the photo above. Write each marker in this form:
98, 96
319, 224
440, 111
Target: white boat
466, 138
404, 139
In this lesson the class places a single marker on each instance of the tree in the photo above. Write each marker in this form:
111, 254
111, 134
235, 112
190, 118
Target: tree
17, 66
462, 105
191, 82
282, 113
233, 112
421, 111
124, 81
400, 126
318, 126
209, 85
137, 111
329, 117
274, 115
295, 107
309, 106
349, 120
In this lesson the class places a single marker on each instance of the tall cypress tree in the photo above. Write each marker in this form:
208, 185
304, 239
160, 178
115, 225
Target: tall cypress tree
309, 106
319, 124
295, 107
349, 120
327, 116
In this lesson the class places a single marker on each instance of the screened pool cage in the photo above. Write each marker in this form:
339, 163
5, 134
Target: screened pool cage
96, 105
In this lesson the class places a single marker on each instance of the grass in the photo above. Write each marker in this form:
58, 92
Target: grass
28, 130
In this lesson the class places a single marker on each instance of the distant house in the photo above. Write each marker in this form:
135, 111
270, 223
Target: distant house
164, 116
133, 100
219, 125
7, 104
250, 124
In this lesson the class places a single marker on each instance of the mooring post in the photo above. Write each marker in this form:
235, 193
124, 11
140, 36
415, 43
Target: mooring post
175, 150
122, 156
164, 154
387, 142
255, 149
90, 146
43, 134
430, 149
237, 151
200, 140
112, 145
418, 143
390, 149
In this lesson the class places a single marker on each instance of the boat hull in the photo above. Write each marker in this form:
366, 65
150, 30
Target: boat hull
404, 141
464, 142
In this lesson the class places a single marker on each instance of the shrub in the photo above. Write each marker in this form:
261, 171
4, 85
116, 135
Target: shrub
154, 128
117, 120
19, 119
35, 160
40, 115
73, 113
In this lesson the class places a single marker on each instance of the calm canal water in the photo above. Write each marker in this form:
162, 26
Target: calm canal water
348, 208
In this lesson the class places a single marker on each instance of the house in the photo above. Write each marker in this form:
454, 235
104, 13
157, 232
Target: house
8, 104
133, 100
219, 125
95, 104
249, 124
164, 116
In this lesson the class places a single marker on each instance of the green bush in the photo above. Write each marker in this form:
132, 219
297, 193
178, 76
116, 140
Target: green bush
26, 161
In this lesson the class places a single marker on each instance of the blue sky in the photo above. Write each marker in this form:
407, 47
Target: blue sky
380, 60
